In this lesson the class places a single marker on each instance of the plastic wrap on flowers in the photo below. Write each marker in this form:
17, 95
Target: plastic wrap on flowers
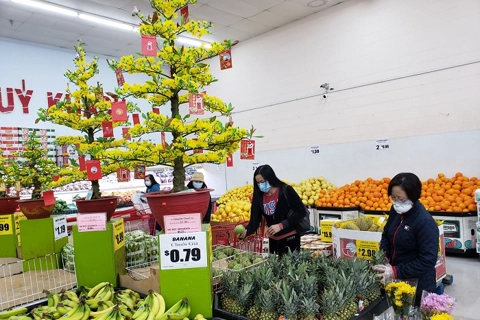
401, 297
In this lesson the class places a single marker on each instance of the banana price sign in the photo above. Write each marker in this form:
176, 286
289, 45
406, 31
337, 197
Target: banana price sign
118, 234
183, 251
367, 249
6, 225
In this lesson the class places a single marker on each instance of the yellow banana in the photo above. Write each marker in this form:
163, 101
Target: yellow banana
144, 315
86, 312
161, 302
139, 311
108, 295
62, 309
69, 303
177, 306
100, 313
93, 292
70, 313
72, 296
10, 313
106, 316
153, 302
183, 312
127, 301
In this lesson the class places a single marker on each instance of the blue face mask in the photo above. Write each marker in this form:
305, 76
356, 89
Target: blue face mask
198, 185
264, 187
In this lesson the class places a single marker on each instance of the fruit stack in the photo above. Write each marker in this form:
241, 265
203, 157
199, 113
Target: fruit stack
243, 193
299, 287
237, 211
365, 223
102, 302
310, 190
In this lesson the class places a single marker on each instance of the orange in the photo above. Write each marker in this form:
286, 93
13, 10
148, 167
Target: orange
457, 209
437, 208
441, 175
456, 187
458, 174
472, 207
467, 191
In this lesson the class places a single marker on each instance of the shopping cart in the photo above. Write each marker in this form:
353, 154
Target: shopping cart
224, 234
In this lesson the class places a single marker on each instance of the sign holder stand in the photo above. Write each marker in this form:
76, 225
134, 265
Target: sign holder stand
38, 240
100, 255
195, 283
8, 236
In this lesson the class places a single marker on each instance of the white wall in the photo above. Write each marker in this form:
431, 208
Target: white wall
359, 42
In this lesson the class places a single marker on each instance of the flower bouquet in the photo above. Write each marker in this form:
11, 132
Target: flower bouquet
436, 306
401, 296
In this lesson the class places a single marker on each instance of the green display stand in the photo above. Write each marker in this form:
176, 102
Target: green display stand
8, 237
97, 257
40, 250
193, 283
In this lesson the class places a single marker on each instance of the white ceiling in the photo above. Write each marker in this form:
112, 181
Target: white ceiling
232, 19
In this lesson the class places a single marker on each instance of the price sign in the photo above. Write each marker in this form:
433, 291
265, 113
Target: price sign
6, 225
60, 227
92, 222
19, 216
183, 251
367, 249
382, 144
255, 165
326, 230
315, 151
118, 234
183, 223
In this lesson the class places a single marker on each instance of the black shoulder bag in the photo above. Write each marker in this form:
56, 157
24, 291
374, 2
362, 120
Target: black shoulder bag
304, 225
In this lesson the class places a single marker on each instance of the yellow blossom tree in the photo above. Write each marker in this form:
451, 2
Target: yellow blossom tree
84, 110
8, 170
173, 74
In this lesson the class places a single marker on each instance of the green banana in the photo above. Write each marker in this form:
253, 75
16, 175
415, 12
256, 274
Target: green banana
93, 292
79, 314
62, 309
134, 293
126, 300
10, 313
153, 302
20, 318
108, 293
139, 311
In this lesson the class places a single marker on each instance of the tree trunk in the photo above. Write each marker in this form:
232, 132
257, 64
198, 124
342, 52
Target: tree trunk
96, 194
178, 169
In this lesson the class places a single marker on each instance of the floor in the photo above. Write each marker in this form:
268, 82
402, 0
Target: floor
465, 287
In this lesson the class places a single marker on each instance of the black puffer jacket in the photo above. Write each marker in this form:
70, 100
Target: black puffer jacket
411, 244
287, 199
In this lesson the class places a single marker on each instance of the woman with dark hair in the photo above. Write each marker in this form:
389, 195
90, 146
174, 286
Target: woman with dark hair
410, 237
151, 184
197, 183
273, 200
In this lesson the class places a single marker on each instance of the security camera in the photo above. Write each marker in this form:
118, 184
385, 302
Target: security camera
325, 96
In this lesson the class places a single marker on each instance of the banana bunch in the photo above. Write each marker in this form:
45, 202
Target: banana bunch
53, 298
151, 308
16, 314
126, 301
179, 311
101, 292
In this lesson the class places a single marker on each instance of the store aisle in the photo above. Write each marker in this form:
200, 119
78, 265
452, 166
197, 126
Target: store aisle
465, 287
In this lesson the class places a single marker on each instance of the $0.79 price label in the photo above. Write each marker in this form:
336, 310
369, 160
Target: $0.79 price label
118, 234
6, 225
367, 249
182, 251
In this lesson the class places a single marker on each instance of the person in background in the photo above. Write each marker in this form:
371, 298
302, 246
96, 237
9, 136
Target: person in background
197, 183
151, 184
273, 199
410, 237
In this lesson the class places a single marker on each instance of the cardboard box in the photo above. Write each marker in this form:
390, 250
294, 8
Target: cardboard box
133, 279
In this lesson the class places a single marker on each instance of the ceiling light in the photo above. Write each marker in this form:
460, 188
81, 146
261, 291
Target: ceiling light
193, 42
48, 7
316, 3
107, 22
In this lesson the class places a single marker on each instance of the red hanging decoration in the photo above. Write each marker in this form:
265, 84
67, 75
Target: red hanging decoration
230, 160
107, 129
149, 45
119, 111
126, 134
247, 150
225, 59
196, 104
94, 170
123, 175
139, 172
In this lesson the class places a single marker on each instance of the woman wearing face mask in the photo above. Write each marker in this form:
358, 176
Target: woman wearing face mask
151, 184
273, 199
410, 237
197, 183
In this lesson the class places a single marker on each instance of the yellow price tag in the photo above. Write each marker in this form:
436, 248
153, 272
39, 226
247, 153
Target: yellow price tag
118, 234
6, 225
367, 249
19, 216
326, 230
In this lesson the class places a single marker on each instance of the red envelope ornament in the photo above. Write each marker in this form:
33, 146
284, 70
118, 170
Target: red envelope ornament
119, 111
119, 76
247, 150
126, 134
225, 59
184, 14
149, 45
123, 175
94, 170
139, 172
136, 118
107, 128
48, 198
156, 110
230, 160
196, 104
81, 163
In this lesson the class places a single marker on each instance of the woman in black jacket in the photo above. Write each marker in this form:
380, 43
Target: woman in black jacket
273, 199
410, 237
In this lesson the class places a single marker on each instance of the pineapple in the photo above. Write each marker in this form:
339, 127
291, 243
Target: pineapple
268, 305
239, 304
330, 304
309, 308
230, 289
289, 301
351, 226
255, 311
373, 289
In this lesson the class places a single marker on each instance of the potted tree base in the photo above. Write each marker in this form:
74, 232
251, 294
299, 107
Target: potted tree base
8, 205
35, 209
104, 204
163, 205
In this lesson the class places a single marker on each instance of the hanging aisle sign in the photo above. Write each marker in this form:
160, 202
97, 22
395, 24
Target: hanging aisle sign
60, 227
183, 251
315, 151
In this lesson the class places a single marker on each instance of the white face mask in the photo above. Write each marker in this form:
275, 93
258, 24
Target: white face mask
402, 207
148, 183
